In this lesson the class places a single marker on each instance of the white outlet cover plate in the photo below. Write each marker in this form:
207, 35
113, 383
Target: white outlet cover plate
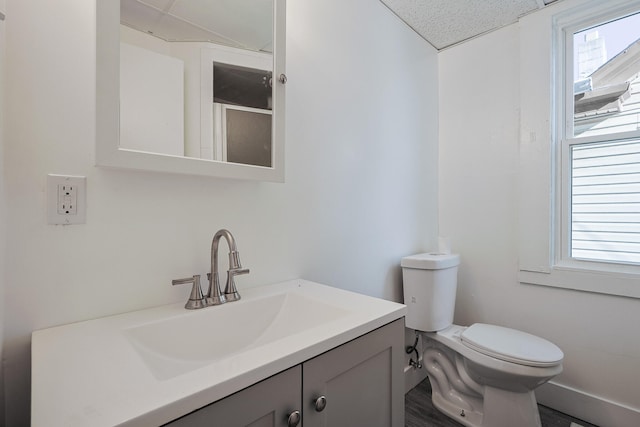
53, 215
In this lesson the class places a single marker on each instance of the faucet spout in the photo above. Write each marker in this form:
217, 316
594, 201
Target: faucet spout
215, 295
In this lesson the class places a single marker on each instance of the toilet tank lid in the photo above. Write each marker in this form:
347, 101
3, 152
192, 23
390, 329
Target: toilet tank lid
431, 261
511, 345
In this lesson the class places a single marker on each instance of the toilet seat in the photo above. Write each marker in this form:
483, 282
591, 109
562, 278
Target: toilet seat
511, 345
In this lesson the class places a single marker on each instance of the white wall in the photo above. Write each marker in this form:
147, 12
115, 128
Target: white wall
360, 191
152, 101
478, 200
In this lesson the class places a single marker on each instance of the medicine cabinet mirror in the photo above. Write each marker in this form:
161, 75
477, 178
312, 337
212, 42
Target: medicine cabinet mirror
191, 86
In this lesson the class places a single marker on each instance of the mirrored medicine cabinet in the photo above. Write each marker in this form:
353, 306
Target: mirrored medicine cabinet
191, 87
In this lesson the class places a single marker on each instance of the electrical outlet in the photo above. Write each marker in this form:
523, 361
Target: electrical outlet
66, 199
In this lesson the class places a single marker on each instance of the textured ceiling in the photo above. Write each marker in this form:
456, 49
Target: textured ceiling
246, 24
444, 23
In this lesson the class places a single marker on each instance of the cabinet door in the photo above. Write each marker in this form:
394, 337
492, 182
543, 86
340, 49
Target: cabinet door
265, 404
361, 380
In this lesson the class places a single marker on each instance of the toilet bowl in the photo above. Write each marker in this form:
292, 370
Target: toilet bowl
482, 375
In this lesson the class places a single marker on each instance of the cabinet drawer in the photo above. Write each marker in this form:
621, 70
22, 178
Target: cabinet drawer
264, 404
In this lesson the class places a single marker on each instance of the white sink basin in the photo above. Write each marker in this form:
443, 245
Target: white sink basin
183, 343
151, 366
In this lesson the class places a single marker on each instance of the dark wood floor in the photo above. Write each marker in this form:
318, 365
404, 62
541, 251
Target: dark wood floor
420, 412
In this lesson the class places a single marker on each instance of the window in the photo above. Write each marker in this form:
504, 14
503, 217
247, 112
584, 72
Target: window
246, 135
236, 89
579, 167
242, 113
600, 141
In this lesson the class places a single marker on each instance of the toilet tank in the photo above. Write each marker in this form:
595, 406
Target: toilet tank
429, 284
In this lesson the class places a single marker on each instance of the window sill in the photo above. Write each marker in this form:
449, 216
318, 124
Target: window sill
586, 280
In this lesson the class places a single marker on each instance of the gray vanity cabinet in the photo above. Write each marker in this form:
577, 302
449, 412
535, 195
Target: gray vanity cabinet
264, 404
362, 382
358, 384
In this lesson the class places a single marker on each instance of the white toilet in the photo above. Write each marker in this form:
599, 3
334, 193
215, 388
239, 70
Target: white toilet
481, 375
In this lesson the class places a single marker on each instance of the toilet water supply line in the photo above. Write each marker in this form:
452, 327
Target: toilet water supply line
411, 349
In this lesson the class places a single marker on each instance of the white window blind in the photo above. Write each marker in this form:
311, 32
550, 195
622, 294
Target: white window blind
605, 202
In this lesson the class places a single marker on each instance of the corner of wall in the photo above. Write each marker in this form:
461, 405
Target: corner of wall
2, 206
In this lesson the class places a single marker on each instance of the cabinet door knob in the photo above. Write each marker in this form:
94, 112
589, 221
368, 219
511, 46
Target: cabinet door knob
320, 403
293, 419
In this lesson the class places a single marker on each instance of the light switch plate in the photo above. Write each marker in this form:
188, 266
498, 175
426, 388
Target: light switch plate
66, 199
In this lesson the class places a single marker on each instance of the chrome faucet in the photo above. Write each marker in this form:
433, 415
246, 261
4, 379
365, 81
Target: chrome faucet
214, 294
196, 299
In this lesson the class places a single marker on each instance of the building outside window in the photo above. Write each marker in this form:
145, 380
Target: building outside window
601, 140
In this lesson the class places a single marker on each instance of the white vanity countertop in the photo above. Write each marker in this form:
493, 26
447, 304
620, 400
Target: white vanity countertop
90, 374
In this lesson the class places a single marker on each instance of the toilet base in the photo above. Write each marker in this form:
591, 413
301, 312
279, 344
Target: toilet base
469, 417
459, 396
506, 408
500, 409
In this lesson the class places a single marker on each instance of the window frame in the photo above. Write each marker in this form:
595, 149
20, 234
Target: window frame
565, 27
547, 261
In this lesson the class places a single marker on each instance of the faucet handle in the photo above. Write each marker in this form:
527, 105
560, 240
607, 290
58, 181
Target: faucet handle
230, 291
196, 299
239, 271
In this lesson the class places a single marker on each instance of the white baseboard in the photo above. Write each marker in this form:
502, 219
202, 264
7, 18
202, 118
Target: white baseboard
593, 409
413, 377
